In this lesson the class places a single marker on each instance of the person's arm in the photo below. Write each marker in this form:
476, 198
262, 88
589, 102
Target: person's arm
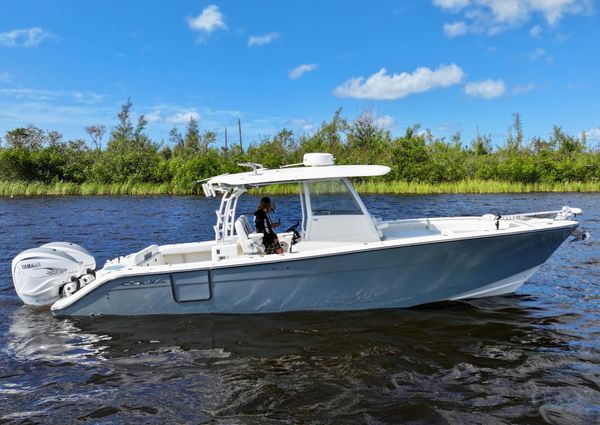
269, 226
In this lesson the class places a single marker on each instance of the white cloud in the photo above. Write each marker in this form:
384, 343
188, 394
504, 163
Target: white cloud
535, 54
298, 122
539, 53
523, 88
153, 116
383, 86
27, 37
424, 132
507, 11
593, 135
210, 20
447, 128
54, 115
307, 126
261, 40
451, 4
553, 10
182, 117
64, 110
385, 122
455, 29
5, 77
535, 31
487, 89
494, 16
168, 113
171, 114
300, 70
85, 96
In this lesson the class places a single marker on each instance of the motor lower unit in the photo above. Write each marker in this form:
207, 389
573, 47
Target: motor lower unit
43, 275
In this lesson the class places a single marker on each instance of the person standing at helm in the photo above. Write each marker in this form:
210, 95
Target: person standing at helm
263, 225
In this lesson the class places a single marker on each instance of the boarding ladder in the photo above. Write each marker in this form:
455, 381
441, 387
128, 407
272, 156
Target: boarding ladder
226, 214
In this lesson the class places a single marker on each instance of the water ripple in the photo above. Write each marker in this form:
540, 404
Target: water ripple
531, 357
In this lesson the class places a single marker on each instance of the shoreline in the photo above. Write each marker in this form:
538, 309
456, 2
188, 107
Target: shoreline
26, 189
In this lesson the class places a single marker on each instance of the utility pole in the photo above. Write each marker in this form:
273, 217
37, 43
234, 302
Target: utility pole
225, 138
240, 130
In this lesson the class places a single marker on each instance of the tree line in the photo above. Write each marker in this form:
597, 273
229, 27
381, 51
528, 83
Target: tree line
31, 154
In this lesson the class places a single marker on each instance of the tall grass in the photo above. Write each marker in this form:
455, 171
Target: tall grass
472, 186
463, 186
21, 188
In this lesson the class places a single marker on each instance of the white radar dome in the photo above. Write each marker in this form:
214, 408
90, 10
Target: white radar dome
317, 159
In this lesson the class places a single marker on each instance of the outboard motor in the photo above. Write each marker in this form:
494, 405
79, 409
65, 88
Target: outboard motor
43, 275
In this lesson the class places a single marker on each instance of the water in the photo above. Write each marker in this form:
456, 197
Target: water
531, 357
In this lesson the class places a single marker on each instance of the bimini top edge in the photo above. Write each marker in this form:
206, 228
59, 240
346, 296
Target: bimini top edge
316, 170
264, 176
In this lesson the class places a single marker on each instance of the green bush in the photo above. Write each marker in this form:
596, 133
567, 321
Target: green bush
35, 160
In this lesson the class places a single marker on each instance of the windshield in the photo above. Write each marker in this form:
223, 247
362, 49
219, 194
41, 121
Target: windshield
332, 197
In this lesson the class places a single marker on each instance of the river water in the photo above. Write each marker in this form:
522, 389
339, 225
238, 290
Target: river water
531, 357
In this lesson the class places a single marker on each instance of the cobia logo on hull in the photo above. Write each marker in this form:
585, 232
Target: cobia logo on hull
144, 282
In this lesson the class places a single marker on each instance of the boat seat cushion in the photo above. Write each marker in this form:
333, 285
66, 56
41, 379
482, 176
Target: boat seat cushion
251, 242
244, 220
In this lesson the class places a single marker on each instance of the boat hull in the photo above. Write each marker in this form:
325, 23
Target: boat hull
390, 277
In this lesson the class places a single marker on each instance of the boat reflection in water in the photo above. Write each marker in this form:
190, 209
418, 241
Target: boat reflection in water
392, 365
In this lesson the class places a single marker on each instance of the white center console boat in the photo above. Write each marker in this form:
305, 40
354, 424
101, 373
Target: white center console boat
339, 257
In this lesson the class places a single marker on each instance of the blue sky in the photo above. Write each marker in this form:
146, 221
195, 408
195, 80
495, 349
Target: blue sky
450, 65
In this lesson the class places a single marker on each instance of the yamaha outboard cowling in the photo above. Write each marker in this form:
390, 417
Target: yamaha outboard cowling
43, 275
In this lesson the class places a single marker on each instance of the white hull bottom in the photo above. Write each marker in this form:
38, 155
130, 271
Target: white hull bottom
502, 287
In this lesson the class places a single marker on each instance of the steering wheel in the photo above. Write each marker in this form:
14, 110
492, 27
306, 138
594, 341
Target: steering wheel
294, 227
296, 233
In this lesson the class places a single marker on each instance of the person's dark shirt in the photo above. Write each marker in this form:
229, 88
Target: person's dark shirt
263, 225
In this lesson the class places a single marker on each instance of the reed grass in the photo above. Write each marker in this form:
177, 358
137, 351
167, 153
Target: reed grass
463, 186
473, 186
21, 188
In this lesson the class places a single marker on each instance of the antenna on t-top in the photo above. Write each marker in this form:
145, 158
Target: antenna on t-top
255, 166
240, 130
